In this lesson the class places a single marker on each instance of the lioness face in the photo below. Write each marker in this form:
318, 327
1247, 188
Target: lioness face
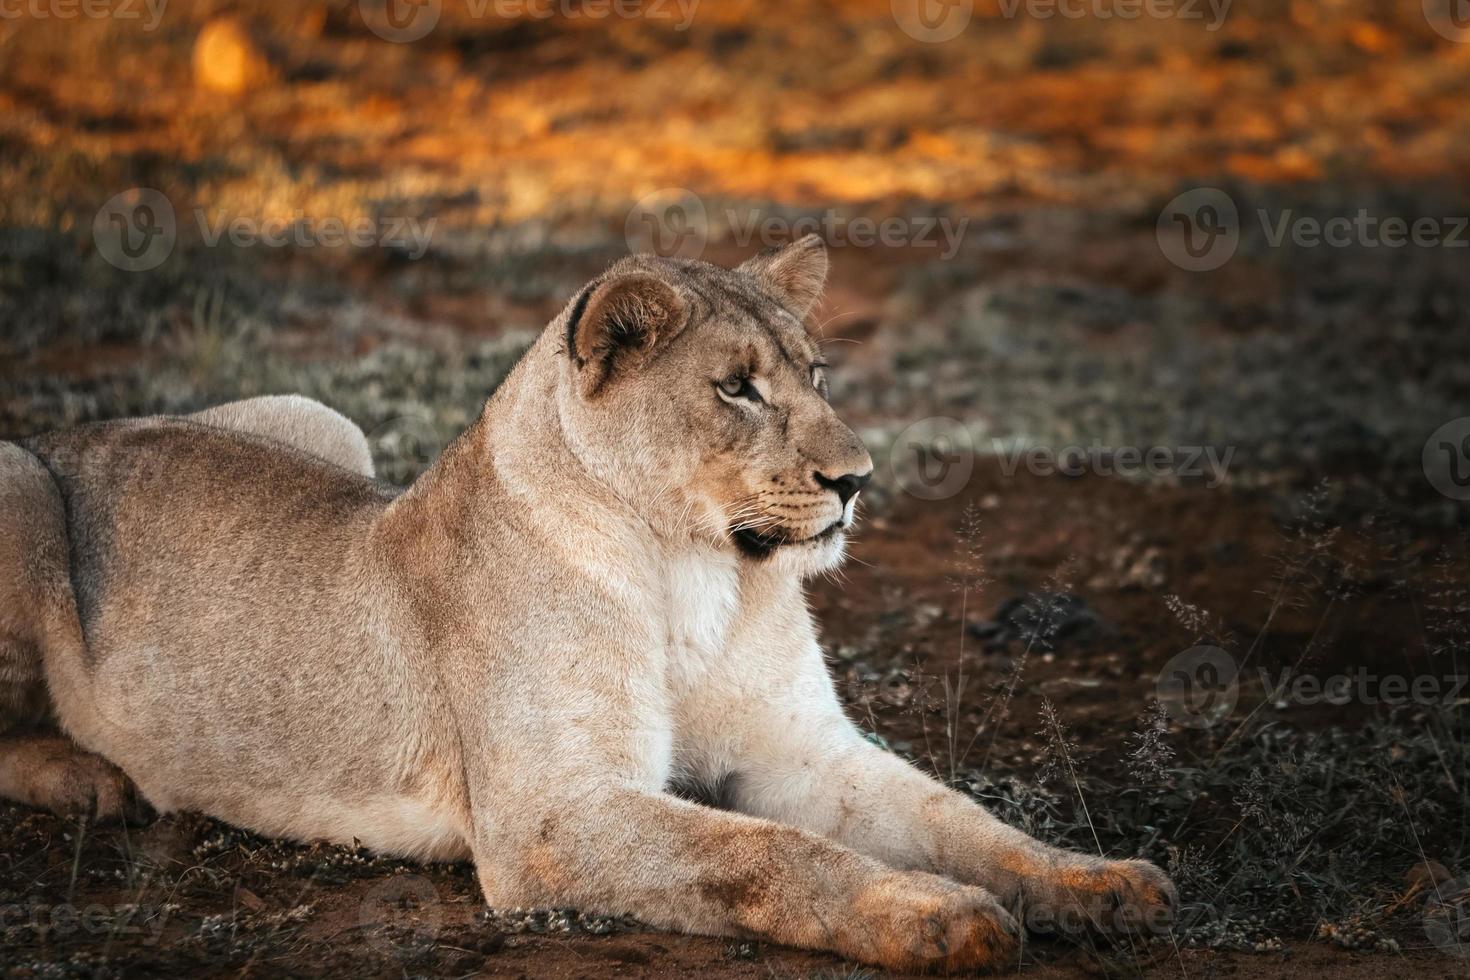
711, 393
778, 471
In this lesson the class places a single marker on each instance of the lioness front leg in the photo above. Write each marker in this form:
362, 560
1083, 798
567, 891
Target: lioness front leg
680, 866
801, 762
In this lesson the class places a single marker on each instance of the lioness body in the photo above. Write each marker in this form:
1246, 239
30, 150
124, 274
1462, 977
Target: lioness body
594, 593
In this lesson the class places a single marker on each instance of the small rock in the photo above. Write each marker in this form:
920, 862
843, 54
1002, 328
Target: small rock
248, 898
230, 58
1041, 621
926, 614
1061, 687
985, 629
460, 964
1148, 570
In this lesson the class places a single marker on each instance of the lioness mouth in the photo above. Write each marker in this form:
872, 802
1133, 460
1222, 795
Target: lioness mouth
755, 544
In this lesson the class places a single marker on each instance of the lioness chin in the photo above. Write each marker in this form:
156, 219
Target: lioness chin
595, 593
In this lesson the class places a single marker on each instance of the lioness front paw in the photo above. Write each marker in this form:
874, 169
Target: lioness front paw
1099, 895
917, 922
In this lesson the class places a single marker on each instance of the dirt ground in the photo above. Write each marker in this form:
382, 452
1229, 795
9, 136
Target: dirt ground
185, 896
1012, 633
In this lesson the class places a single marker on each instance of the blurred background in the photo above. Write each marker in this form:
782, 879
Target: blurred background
1230, 237
1012, 163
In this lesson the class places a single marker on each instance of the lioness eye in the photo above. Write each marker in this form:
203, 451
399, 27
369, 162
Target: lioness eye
819, 379
739, 386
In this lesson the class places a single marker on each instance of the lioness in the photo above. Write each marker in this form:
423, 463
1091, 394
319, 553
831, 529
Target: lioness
593, 595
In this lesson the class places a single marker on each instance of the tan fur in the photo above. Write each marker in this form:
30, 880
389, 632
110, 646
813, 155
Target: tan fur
594, 594
38, 766
300, 423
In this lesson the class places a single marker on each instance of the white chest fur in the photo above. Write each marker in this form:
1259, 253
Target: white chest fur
703, 598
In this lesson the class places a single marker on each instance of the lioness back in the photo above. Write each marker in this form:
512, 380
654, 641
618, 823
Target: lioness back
185, 514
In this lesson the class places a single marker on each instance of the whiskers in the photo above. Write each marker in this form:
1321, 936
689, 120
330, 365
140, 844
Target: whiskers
745, 514
773, 515
750, 515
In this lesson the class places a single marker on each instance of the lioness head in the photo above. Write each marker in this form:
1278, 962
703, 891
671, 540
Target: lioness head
698, 394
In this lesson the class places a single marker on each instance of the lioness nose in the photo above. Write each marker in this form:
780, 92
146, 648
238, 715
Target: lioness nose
847, 486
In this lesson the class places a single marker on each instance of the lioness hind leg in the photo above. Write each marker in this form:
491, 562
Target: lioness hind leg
32, 543
38, 765
49, 771
301, 424
23, 699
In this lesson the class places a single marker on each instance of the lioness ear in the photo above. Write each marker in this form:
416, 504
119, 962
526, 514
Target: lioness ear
614, 325
796, 273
